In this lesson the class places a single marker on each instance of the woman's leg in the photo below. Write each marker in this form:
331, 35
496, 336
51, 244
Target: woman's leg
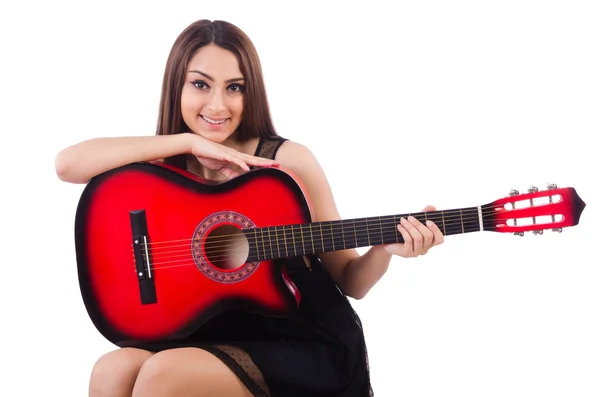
114, 373
189, 372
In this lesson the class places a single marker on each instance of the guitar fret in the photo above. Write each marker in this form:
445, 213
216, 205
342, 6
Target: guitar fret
444, 223
328, 237
296, 251
258, 255
302, 238
298, 235
270, 241
337, 234
322, 241
291, 240
277, 243
332, 235
262, 238
285, 243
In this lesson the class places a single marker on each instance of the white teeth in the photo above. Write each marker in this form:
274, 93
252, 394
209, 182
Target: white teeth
214, 121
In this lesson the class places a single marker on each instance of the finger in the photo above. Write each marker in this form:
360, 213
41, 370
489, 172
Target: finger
237, 160
428, 235
425, 239
429, 208
438, 236
416, 237
260, 161
407, 246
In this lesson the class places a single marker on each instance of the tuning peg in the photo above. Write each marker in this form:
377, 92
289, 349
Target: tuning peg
520, 234
552, 186
557, 229
532, 189
513, 192
538, 232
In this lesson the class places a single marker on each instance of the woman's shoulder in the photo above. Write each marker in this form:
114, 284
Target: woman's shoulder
299, 160
294, 154
267, 147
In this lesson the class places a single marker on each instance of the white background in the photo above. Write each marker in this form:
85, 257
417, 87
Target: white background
450, 103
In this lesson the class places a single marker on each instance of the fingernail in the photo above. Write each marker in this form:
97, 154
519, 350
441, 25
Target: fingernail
411, 218
402, 220
429, 223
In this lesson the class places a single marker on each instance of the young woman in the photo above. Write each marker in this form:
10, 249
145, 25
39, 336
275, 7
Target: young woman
214, 121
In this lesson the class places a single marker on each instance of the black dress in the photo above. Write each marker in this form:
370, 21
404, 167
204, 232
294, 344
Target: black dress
320, 351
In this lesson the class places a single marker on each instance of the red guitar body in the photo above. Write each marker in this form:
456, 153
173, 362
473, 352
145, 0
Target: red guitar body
183, 288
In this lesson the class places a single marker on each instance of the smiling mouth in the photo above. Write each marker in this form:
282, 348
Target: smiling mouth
213, 121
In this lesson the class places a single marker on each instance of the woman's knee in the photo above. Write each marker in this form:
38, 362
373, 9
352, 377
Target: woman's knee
114, 373
187, 372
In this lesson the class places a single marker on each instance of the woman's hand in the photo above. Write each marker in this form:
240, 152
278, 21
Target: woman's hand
418, 238
224, 159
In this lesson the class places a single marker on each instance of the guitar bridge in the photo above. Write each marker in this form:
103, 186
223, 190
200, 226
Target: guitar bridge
141, 253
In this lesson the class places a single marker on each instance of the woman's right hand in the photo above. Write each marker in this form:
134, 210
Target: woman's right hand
224, 159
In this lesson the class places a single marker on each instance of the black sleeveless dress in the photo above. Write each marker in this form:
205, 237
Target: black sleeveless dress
320, 351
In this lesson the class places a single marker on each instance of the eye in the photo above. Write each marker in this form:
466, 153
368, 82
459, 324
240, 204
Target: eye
200, 84
236, 87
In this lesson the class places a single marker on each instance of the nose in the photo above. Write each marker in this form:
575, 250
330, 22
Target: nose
216, 103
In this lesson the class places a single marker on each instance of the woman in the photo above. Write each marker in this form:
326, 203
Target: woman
214, 121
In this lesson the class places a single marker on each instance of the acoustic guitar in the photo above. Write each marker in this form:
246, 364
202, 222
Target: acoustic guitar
160, 251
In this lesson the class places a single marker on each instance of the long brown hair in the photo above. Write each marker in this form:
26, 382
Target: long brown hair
256, 118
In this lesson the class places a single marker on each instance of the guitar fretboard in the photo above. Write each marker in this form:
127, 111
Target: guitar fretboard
283, 241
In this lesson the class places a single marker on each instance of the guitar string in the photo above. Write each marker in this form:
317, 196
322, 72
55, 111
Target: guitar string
291, 237
435, 216
439, 218
226, 253
446, 215
274, 242
278, 235
229, 250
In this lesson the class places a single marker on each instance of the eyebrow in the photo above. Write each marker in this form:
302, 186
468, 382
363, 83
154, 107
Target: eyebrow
211, 79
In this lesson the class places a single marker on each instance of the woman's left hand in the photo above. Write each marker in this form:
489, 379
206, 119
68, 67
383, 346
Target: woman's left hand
418, 238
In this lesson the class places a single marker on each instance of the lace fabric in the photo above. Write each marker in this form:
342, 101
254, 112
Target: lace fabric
243, 366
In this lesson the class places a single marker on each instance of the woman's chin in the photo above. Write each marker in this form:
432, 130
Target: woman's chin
214, 136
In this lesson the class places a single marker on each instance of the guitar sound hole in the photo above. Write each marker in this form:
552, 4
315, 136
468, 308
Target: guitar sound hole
226, 247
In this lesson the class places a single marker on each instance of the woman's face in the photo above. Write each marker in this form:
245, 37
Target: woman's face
212, 99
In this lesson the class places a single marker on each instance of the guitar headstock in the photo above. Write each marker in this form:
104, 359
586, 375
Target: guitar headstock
536, 210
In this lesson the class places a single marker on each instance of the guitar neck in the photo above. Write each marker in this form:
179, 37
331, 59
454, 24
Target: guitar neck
282, 241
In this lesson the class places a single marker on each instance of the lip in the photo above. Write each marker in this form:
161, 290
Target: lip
212, 126
214, 118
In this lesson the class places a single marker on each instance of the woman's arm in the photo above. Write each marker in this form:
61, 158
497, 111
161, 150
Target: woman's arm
354, 274
82, 161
